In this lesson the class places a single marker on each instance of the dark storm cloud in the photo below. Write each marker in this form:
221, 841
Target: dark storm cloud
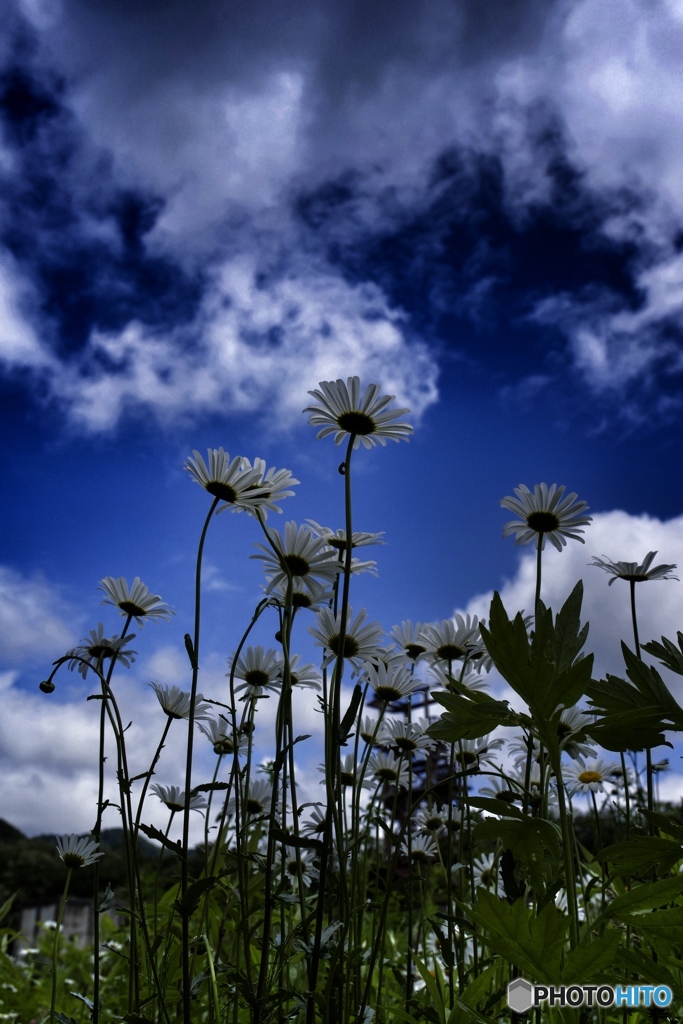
194, 185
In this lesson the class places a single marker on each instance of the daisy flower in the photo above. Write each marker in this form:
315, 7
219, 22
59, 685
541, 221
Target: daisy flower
235, 482
450, 639
259, 669
257, 799
406, 737
632, 571
545, 513
431, 822
349, 773
78, 853
391, 682
273, 486
368, 731
486, 873
591, 776
176, 702
312, 595
136, 602
386, 767
570, 727
341, 411
469, 753
316, 823
408, 637
306, 676
96, 648
360, 643
440, 675
421, 848
174, 798
307, 557
291, 866
337, 540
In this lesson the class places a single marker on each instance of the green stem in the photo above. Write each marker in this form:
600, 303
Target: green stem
185, 917
537, 600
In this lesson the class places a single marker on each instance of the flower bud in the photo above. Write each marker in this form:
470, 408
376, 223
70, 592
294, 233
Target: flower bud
47, 686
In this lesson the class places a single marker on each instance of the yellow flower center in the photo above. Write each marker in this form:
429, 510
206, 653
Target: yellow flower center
587, 777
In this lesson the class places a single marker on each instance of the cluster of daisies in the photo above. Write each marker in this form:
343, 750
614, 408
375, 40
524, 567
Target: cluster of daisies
302, 566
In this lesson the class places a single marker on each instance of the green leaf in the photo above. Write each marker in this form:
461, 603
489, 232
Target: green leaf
545, 671
467, 719
494, 806
664, 924
667, 652
433, 989
665, 823
647, 896
640, 854
188, 904
528, 839
589, 958
532, 942
153, 833
136, 1018
6, 906
634, 961
298, 842
209, 787
62, 1018
350, 716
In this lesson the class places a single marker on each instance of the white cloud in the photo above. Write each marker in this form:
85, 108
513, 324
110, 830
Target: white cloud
19, 344
33, 619
255, 348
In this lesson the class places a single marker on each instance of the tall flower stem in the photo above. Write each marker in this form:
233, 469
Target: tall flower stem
334, 791
185, 917
539, 554
55, 948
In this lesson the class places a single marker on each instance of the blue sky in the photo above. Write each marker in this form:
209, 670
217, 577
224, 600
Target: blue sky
205, 211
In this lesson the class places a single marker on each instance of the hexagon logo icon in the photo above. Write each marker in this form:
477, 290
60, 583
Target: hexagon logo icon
520, 995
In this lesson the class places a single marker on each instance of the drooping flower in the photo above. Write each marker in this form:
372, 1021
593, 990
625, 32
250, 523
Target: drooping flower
97, 648
472, 753
78, 853
307, 557
136, 601
256, 801
341, 411
272, 488
545, 513
368, 730
259, 669
633, 572
316, 823
235, 482
337, 539
219, 734
174, 798
588, 776
361, 642
176, 702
